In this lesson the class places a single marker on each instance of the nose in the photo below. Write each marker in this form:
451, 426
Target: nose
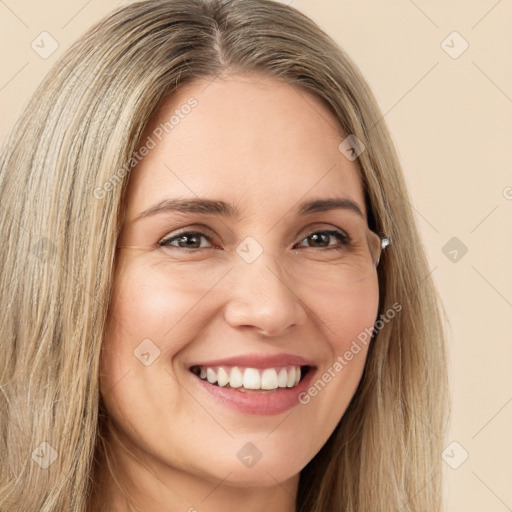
262, 299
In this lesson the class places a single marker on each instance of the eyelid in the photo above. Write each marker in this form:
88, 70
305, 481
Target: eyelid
316, 227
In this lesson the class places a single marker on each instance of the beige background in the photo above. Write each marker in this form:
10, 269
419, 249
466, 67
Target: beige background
451, 120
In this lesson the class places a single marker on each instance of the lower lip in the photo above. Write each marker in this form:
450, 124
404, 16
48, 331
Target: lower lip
264, 404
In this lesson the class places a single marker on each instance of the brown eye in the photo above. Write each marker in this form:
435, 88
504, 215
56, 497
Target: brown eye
320, 239
185, 240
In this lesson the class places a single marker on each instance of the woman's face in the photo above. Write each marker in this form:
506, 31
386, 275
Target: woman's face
256, 293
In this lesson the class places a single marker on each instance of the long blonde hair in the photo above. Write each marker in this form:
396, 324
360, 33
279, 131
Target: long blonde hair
58, 252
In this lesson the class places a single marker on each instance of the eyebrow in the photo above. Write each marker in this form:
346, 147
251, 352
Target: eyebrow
221, 208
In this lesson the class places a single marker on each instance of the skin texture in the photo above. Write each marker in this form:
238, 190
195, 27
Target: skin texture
264, 146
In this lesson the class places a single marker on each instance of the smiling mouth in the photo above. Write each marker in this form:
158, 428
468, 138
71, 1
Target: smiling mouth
252, 380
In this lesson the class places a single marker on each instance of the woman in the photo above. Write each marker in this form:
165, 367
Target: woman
200, 310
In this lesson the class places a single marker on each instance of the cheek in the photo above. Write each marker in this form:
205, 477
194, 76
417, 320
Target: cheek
348, 312
148, 302
147, 320
348, 318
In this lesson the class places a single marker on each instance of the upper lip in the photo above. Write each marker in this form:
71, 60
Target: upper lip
258, 361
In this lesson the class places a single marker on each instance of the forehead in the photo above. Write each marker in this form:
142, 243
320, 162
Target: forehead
251, 140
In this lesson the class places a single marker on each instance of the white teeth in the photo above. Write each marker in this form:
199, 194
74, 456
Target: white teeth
235, 378
222, 377
283, 377
251, 378
211, 375
269, 379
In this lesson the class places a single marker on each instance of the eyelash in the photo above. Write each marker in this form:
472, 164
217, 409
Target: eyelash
342, 237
